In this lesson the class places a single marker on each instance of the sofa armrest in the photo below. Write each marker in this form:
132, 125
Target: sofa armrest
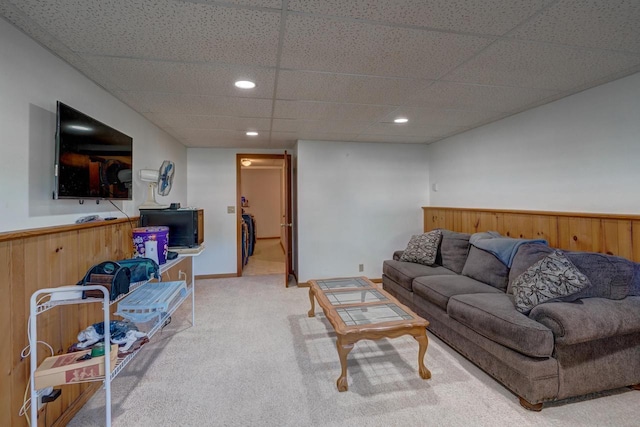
589, 319
397, 255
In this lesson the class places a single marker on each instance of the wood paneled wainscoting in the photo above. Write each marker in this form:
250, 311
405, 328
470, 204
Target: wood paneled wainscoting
43, 258
605, 233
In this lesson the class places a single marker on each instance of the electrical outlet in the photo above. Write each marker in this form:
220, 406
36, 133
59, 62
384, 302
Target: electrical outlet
41, 394
361, 267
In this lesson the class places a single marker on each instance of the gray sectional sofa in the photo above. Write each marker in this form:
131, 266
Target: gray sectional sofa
572, 346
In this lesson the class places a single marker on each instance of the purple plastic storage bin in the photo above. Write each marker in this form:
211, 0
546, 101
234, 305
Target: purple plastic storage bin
151, 242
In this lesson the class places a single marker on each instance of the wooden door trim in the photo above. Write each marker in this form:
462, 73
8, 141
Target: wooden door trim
239, 157
288, 233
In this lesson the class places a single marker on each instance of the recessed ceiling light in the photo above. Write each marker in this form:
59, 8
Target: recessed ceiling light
245, 162
401, 120
252, 133
245, 84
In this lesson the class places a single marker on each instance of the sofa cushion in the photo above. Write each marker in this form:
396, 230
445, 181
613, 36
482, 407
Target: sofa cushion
554, 277
403, 273
610, 276
438, 289
589, 319
422, 248
494, 316
453, 250
485, 267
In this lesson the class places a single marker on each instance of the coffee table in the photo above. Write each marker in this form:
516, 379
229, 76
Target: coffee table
357, 309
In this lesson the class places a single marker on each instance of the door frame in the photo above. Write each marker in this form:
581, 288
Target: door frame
239, 157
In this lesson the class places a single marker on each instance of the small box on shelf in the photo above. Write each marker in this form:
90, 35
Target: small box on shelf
68, 369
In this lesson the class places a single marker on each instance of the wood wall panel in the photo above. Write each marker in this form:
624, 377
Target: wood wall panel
577, 231
6, 339
173, 274
43, 258
635, 239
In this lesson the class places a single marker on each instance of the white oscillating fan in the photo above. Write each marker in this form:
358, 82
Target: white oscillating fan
162, 179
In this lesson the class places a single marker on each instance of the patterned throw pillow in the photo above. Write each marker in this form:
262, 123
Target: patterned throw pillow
551, 278
422, 248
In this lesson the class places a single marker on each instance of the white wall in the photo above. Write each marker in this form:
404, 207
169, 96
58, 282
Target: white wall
580, 153
212, 187
31, 81
263, 190
357, 203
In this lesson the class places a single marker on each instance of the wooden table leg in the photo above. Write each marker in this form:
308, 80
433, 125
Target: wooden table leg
343, 351
423, 343
312, 312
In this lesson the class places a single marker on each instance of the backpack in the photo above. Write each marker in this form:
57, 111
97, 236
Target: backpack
109, 274
141, 268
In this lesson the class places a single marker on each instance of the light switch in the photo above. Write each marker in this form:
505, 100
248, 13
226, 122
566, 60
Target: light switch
231, 209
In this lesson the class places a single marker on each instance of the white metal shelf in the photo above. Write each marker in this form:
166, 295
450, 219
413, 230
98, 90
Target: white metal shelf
39, 307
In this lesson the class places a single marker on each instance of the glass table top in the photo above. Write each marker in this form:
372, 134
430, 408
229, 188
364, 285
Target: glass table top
355, 297
349, 282
372, 314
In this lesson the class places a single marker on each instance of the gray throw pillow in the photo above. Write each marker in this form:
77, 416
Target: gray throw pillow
550, 279
453, 250
422, 248
486, 268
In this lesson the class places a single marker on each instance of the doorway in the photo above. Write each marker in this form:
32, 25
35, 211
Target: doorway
264, 226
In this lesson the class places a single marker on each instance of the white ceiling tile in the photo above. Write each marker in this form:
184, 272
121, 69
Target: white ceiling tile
181, 121
162, 29
185, 77
274, 4
292, 137
318, 126
395, 139
324, 44
541, 65
427, 117
605, 24
329, 111
314, 86
174, 103
408, 130
477, 16
347, 66
219, 133
221, 138
451, 95
288, 138
207, 142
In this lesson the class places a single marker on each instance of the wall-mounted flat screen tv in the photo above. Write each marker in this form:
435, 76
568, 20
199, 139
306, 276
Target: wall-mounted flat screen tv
93, 160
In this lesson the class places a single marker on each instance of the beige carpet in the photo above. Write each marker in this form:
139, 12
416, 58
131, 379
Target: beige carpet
267, 258
254, 358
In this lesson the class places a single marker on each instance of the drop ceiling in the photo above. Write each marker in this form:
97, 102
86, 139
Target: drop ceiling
335, 70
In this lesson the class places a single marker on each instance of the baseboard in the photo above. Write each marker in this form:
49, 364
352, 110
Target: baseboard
216, 276
376, 280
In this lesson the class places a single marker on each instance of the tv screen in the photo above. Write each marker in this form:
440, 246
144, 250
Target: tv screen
93, 160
